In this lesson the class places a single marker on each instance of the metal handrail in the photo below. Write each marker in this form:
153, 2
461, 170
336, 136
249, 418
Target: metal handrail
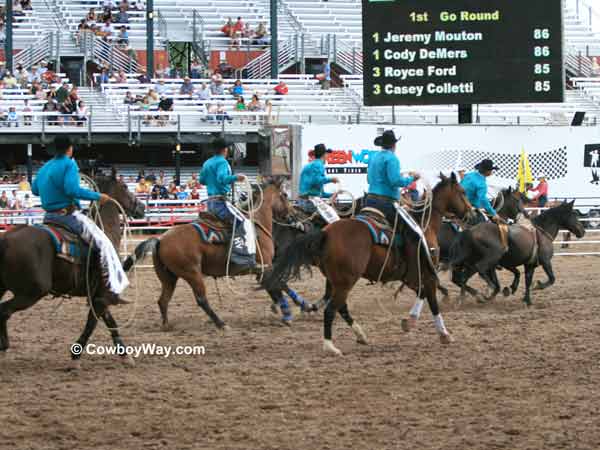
260, 67
107, 53
162, 25
198, 37
36, 52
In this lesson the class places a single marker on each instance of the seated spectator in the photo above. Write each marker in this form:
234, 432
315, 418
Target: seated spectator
216, 77
143, 78
187, 88
194, 195
27, 118
238, 27
260, 35
129, 99
238, 89
196, 69
123, 36
193, 181
17, 8
182, 193
163, 193
161, 87
90, 18
27, 202
173, 191
255, 105
124, 5
240, 105
204, 92
142, 187
161, 72
153, 97
176, 72
141, 176
161, 179
24, 184
67, 109
217, 88
165, 105
221, 115
82, 113
247, 32
50, 106
106, 30
122, 16
14, 202
3, 116
104, 77
62, 93
74, 95
227, 29
146, 106
121, 77
10, 81
281, 88
4, 199
12, 117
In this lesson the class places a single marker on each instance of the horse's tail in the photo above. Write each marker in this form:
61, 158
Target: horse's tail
301, 253
460, 249
149, 245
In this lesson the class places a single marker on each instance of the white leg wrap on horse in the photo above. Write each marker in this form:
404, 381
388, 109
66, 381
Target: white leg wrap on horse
359, 333
439, 324
417, 308
330, 348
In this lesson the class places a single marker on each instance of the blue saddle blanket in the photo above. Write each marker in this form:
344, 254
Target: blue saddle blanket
211, 234
68, 246
380, 235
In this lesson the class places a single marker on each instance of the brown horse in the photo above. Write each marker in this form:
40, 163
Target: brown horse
181, 253
30, 270
344, 251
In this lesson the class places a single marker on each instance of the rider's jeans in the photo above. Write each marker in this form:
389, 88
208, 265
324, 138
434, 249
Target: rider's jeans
68, 221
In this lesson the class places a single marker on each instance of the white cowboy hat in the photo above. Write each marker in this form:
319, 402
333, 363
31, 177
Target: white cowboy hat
541, 175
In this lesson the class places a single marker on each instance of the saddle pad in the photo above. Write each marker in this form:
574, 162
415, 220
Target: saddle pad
68, 246
381, 234
211, 234
327, 212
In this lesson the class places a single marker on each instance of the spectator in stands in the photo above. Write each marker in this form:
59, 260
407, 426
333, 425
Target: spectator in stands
238, 27
143, 78
204, 92
82, 113
124, 5
14, 202
24, 184
161, 88
123, 36
238, 89
227, 29
90, 18
67, 108
281, 88
193, 182
3, 116
196, 69
255, 105
261, 35
240, 104
74, 95
3, 200
187, 88
22, 76
27, 202
216, 77
182, 194
216, 88
325, 76
268, 110
155, 193
50, 106
176, 72
104, 76
145, 106
163, 192
137, 6
27, 118
161, 72
122, 16
63, 93
247, 33
142, 187
141, 176
106, 30
121, 77
17, 8
221, 114
108, 4
173, 191
165, 105
194, 195
12, 118
129, 99
10, 81
153, 97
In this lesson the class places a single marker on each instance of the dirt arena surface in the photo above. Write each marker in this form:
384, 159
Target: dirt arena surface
514, 378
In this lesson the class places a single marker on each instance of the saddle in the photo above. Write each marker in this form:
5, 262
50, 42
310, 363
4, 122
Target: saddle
212, 229
503, 232
305, 221
380, 229
68, 245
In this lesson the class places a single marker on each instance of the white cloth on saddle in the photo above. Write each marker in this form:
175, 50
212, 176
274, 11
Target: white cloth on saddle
326, 211
248, 227
109, 259
408, 219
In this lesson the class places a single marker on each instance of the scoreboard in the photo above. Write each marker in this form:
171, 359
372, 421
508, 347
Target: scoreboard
436, 52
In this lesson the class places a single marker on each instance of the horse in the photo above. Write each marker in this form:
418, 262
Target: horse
30, 268
343, 264
479, 250
566, 236
182, 253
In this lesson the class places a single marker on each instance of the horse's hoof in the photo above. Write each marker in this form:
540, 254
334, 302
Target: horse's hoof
361, 337
408, 324
128, 361
446, 339
224, 329
166, 327
287, 321
274, 309
310, 308
480, 299
328, 347
539, 286
506, 292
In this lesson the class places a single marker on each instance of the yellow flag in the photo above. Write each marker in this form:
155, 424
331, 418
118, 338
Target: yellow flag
524, 173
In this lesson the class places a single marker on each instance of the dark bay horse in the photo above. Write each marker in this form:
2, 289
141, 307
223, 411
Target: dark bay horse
344, 252
30, 270
479, 250
181, 253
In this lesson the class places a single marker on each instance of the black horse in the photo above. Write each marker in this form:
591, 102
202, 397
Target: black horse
479, 249
30, 269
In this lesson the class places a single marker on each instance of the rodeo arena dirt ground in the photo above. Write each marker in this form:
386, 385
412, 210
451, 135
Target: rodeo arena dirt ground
514, 377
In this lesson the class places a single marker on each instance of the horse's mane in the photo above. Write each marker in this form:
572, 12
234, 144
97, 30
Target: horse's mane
553, 215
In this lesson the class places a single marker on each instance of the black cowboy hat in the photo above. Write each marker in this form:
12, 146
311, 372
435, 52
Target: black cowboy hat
485, 165
62, 142
320, 150
220, 143
386, 140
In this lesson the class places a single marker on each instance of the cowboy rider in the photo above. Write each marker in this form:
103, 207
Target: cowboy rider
313, 179
57, 184
217, 176
384, 177
476, 189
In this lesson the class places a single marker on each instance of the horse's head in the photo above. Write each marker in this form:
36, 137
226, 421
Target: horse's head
569, 220
450, 199
513, 204
273, 188
112, 186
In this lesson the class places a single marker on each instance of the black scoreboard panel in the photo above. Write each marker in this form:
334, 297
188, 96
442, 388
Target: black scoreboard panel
435, 52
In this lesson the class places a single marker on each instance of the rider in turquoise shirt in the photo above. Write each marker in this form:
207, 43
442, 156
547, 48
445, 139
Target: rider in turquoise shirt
475, 186
384, 177
313, 179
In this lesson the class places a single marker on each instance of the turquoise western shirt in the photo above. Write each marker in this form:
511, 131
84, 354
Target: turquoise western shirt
475, 187
313, 178
383, 174
57, 183
216, 175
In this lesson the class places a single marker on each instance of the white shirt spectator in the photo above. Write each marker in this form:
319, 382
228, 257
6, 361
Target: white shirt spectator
107, 28
108, 4
204, 92
161, 87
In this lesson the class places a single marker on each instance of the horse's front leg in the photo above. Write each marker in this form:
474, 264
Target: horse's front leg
515, 283
529, 271
547, 266
430, 291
